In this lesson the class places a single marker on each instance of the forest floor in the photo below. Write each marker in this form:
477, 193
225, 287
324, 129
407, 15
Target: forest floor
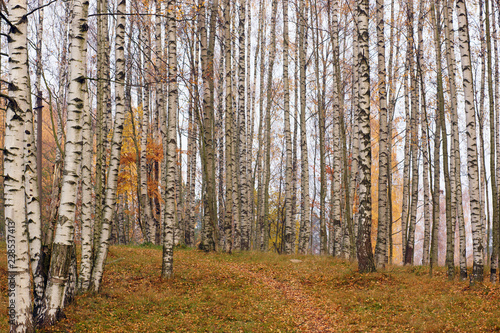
256, 292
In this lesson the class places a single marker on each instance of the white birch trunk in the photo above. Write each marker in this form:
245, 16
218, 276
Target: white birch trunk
288, 138
171, 158
18, 255
63, 239
86, 221
472, 161
363, 242
114, 162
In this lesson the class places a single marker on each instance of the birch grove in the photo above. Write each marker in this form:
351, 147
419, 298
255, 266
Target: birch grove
363, 131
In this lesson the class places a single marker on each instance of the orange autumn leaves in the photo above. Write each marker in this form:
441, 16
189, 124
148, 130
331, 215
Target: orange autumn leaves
127, 178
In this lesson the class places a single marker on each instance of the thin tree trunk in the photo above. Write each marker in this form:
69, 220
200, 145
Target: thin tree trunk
450, 234
269, 102
228, 216
464, 45
450, 60
305, 213
32, 170
288, 137
86, 221
114, 162
171, 141
209, 240
493, 145
381, 247
425, 139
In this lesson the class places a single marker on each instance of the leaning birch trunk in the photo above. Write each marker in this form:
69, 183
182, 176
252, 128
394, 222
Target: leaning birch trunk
114, 162
288, 137
305, 212
363, 242
63, 240
18, 256
472, 167
171, 158
381, 247
86, 221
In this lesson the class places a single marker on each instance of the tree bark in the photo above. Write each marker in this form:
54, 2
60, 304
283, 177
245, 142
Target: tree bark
305, 213
114, 162
288, 137
18, 260
363, 243
63, 240
472, 167
171, 141
381, 247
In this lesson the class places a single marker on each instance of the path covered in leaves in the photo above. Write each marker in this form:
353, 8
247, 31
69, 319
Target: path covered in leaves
255, 292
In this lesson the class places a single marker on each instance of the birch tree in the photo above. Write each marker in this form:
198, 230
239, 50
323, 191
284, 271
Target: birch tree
363, 242
114, 159
171, 158
472, 162
381, 247
305, 213
288, 137
19, 102
63, 240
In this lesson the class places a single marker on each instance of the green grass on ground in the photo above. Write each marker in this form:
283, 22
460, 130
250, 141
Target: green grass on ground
256, 292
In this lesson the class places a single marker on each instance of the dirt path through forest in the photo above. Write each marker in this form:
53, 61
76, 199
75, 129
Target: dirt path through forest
300, 306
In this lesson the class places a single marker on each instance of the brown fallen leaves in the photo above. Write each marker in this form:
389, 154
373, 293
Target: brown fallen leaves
255, 292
